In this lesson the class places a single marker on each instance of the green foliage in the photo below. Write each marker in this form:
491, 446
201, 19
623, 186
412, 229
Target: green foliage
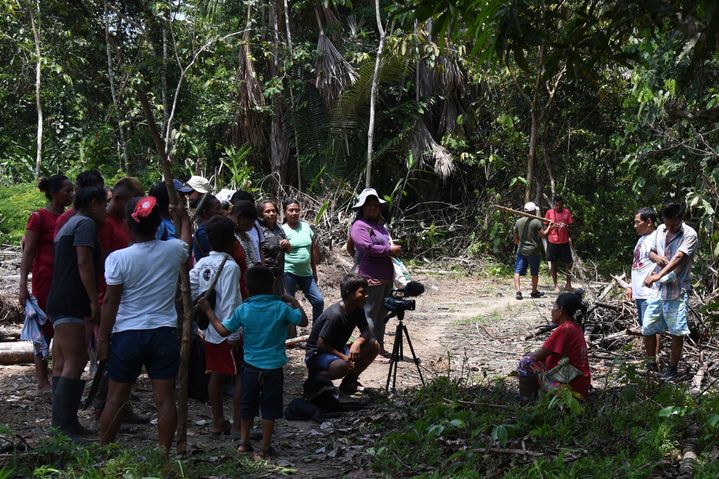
16, 204
623, 432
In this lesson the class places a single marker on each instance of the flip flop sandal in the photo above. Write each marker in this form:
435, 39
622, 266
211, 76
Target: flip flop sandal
266, 453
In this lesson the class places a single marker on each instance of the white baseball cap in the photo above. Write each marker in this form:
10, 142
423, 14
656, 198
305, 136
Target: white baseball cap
528, 207
199, 184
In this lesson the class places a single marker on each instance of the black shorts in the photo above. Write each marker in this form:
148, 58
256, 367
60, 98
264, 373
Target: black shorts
156, 349
261, 389
559, 253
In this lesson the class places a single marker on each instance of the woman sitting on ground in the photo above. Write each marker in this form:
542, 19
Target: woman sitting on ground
566, 341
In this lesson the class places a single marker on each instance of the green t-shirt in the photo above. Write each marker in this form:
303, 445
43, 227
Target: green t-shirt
530, 241
299, 261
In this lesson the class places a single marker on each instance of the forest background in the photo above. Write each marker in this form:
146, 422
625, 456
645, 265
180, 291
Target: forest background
446, 107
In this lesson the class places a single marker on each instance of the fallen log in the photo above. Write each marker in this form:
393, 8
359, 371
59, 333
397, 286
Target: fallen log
543, 329
520, 452
295, 341
10, 333
16, 352
689, 453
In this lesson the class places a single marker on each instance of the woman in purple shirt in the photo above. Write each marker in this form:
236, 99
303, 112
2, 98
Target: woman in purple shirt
375, 250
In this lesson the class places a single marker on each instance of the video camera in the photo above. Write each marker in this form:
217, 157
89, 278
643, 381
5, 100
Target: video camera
397, 302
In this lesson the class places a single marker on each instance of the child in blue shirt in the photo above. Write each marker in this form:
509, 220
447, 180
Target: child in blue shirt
264, 318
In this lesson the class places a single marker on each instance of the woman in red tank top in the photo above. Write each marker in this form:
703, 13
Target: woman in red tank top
37, 256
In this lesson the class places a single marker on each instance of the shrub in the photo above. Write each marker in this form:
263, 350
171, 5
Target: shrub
16, 204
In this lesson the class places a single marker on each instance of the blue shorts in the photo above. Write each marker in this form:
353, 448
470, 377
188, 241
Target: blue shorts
641, 309
667, 315
321, 361
520, 266
156, 349
261, 389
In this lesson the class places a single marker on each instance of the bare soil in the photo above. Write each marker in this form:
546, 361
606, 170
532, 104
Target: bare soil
462, 325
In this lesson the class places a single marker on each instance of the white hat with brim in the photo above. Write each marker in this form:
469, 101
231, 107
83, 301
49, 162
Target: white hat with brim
366, 193
530, 207
199, 184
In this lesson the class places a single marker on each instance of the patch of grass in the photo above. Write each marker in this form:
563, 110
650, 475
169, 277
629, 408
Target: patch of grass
480, 319
450, 429
57, 456
16, 204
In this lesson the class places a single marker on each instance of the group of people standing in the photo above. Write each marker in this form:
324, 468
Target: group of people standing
660, 287
105, 271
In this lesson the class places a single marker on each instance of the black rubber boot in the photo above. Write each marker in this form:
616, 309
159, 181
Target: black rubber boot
66, 401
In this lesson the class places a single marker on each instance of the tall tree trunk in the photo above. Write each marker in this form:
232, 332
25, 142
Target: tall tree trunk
373, 95
534, 105
38, 78
279, 142
115, 101
165, 92
292, 96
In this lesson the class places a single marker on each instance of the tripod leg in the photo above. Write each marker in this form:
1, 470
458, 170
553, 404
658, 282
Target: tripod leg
394, 358
414, 356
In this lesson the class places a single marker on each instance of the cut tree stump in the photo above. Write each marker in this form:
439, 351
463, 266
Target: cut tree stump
16, 352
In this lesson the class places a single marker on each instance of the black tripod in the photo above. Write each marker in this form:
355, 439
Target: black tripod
398, 349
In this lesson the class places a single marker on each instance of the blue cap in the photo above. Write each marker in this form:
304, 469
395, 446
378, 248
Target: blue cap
181, 187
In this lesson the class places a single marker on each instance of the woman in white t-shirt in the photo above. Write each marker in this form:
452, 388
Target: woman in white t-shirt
139, 310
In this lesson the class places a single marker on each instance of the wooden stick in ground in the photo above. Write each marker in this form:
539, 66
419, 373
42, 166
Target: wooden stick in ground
522, 213
184, 279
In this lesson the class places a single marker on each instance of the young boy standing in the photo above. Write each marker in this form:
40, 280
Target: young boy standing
264, 318
219, 360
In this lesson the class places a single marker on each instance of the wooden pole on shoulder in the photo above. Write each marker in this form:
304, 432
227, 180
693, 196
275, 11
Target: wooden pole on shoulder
184, 278
522, 213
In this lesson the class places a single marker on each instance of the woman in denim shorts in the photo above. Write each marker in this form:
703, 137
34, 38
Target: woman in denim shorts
72, 299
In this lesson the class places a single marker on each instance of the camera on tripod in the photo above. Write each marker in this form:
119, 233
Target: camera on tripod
396, 303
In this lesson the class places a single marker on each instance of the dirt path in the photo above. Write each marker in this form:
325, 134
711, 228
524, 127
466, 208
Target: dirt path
464, 325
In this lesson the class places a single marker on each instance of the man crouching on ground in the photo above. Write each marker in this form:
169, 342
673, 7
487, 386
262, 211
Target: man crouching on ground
328, 356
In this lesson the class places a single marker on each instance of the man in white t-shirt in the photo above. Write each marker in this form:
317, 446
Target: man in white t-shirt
645, 224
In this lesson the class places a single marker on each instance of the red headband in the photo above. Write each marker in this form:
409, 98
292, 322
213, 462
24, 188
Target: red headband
143, 208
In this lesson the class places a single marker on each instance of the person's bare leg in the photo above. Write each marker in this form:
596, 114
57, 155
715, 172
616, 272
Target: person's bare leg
74, 352
214, 392
163, 391
268, 426
659, 346
535, 283
367, 354
568, 273
337, 370
516, 282
118, 395
58, 358
677, 347
236, 403
245, 426
553, 273
41, 373
650, 347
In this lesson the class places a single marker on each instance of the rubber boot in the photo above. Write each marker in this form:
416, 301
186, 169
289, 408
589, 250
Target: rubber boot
62, 396
66, 401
